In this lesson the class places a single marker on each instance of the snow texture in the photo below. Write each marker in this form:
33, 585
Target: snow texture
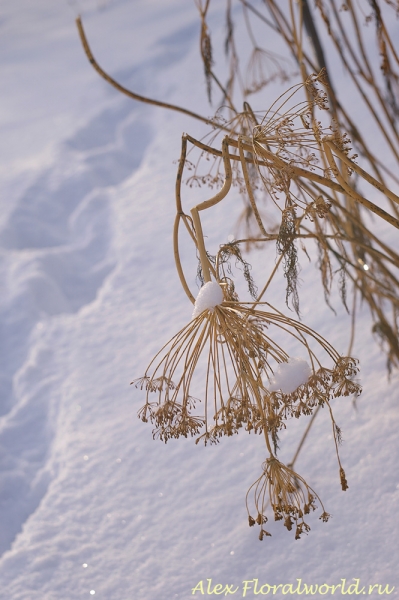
89, 294
290, 375
209, 296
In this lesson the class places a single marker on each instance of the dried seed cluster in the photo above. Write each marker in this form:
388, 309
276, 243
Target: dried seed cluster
290, 498
234, 348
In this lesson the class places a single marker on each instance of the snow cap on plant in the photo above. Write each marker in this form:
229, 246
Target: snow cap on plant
210, 295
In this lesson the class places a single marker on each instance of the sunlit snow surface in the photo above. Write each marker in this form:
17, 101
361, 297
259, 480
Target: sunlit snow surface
89, 293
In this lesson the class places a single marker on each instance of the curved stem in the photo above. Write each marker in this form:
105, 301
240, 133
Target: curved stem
127, 92
227, 180
177, 258
201, 245
207, 204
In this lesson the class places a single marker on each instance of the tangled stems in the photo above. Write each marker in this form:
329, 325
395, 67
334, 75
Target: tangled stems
305, 170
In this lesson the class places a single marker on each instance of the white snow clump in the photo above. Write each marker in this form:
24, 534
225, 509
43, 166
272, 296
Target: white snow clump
210, 295
290, 375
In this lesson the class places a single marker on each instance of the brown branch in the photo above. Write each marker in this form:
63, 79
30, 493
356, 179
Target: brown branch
127, 92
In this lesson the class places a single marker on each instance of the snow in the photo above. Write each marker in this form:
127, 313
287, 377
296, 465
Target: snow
89, 293
209, 296
290, 375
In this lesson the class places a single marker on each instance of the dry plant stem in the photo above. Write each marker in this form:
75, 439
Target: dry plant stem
211, 150
124, 90
182, 160
201, 245
318, 49
353, 321
249, 187
368, 77
224, 92
272, 274
341, 187
298, 42
177, 258
356, 80
180, 215
206, 54
283, 27
207, 204
259, 15
377, 184
335, 436
303, 439
390, 42
394, 257
227, 181
375, 209
296, 171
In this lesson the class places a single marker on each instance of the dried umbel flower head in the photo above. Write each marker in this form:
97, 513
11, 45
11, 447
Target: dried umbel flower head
289, 496
235, 350
263, 68
244, 381
236, 344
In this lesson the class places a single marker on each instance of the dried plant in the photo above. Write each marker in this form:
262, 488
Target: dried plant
302, 188
228, 355
288, 149
289, 496
235, 344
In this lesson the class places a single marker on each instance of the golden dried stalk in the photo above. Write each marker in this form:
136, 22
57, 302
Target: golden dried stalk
306, 170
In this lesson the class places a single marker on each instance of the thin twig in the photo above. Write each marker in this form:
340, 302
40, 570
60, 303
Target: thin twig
127, 92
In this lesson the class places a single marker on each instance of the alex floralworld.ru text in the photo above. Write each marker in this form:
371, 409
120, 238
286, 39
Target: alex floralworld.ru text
206, 587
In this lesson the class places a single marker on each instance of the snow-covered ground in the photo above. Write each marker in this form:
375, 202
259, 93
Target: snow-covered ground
90, 505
